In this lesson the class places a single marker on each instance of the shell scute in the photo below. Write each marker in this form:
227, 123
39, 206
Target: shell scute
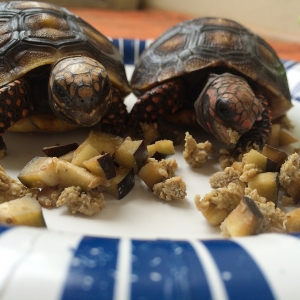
207, 44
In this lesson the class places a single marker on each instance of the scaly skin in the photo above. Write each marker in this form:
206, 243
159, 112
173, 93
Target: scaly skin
226, 102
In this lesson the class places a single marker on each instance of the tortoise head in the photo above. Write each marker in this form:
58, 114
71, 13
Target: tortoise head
79, 90
227, 104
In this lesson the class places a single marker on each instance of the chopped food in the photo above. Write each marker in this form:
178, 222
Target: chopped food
120, 185
102, 141
274, 154
48, 196
39, 172
196, 154
292, 223
157, 171
59, 150
131, 154
289, 177
161, 149
173, 188
84, 153
245, 219
150, 132
101, 165
275, 216
216, 205
22, 211
266, 184
262, 162
11, 189
76, 200
281, 134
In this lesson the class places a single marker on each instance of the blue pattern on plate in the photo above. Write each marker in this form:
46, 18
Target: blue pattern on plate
92, 270
167, 270
241, 275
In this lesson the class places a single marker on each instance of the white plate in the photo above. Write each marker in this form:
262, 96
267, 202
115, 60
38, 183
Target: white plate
140, 214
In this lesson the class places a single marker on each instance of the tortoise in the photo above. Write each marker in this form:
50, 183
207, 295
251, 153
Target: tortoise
57, 71
215, 74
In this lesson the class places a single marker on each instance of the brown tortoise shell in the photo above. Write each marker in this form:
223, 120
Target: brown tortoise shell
34, 34
205, 43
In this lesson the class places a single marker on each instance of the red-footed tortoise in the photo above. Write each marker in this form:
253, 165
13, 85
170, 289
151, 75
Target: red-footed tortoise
51, 61
216, 73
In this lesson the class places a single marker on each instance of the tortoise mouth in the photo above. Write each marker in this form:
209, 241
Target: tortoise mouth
225, 134
81, 118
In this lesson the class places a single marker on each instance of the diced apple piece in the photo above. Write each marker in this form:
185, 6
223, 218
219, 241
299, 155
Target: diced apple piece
59, 150
101, 165
161, 149
273, 138
266, 184
68, 157
120, 185
151, 174
274, 154
24, 211
213, 214
85, 153
71, 175
260, 160
246, 219
39, 172
292, 223
293, 189
103, 142
286, 137
131, 154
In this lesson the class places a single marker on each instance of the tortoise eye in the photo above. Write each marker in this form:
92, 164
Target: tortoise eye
223, 110
60, 93
106, 85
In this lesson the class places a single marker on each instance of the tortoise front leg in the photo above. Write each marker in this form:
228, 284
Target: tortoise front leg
257, 136
117, 117
15, 104
166, 98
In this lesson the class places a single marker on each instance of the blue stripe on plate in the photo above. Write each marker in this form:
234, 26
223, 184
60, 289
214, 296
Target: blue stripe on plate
241, 276
92, 270
130, 49
3, 229
288, 64
167, 270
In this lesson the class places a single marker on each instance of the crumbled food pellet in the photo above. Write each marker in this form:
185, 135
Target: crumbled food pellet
254, 195
196, 154
285, 200
169, 165
292, 223
48, 196
249, 171
289, 177
223, 178
225, 158
275, 216
87, 203
171, 189
218, 203
12, 189
234, 136
289, 170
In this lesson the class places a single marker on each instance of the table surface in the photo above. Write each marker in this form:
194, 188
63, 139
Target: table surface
149, 24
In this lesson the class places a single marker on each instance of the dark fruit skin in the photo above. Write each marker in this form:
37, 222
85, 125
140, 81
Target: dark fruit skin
59, 150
